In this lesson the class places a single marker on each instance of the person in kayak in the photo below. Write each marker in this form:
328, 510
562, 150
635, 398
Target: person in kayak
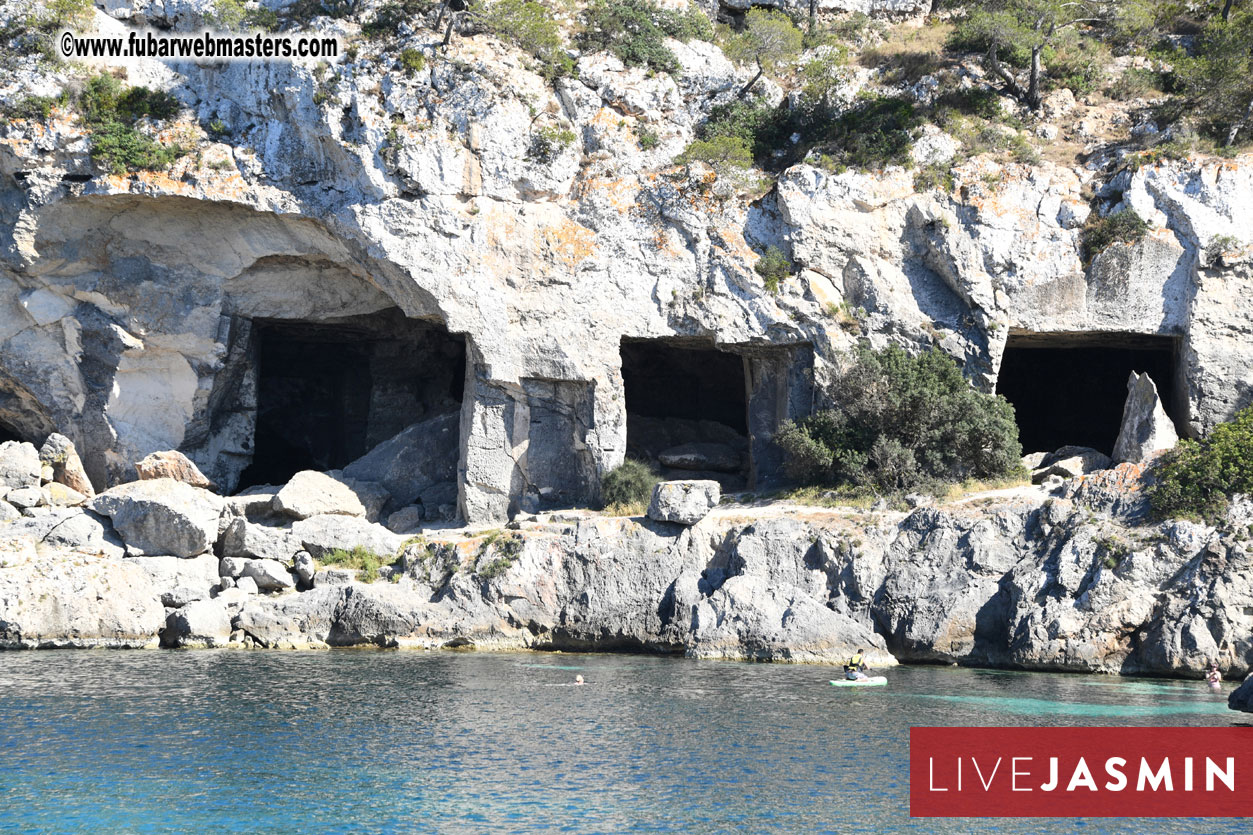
854, 669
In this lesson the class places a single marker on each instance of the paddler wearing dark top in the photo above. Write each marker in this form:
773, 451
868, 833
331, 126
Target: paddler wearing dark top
853, 670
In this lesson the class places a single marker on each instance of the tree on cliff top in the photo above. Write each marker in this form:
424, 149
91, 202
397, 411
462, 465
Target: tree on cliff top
1218, 81
1014, 36
769, 39
903, 423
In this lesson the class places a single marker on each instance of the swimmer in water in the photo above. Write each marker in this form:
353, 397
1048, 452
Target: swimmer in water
578, 679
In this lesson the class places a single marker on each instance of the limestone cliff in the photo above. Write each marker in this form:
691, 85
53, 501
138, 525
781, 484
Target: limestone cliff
136, 308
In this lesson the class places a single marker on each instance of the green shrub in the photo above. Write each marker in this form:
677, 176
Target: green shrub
388, 17
773, 267
634, 31
507, 550
630, 483
548, 142
1102, 232
875, 134
33, 107
725, 154
903, 423
1136, 83
531, 27
233, 14
1197, 478
412, 61
110, 111
751, 121
363, 560
647, 138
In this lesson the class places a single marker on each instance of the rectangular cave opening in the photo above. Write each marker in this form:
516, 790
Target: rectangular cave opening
687, 409
1069, 388
328, 392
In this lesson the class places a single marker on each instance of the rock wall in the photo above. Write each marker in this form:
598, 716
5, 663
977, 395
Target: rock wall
1018, 579
126, 302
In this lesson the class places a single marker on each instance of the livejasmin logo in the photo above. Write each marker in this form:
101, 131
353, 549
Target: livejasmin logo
1080, 772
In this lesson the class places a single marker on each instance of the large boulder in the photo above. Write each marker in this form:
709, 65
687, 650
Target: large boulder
1242, 697
173, 464
59, 453
85, 532
685, 502
247, 539
270, 575
162, 516
19, 465
319, 535
310, 493
421, 455
201, 623
1071, 461
50, 601
1146, 428
177, 580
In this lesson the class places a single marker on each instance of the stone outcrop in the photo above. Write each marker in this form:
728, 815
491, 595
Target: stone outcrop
1242, 697
19, 465
67, 468
310, 493
171, 464
1146, 429
685, 502
162, 516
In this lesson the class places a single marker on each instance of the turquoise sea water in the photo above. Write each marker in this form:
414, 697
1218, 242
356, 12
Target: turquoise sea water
372, 741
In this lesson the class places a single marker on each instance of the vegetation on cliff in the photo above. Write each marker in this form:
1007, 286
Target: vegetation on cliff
903, 423
1196, 479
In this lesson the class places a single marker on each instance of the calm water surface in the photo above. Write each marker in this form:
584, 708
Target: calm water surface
353, 741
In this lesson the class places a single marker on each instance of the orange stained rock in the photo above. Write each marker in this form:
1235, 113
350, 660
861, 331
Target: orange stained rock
570, 242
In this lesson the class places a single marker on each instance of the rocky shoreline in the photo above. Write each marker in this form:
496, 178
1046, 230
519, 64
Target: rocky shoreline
1067, 577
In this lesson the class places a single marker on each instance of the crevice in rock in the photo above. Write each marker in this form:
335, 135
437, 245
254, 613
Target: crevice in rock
1069, 388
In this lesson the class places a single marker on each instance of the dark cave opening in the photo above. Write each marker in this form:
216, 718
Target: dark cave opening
327, 393
8, 433
687, 409
1069, 388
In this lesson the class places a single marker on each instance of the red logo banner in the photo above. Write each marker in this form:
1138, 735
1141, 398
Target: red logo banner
1081, 772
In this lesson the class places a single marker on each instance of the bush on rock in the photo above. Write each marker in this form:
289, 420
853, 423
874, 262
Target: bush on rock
903, 423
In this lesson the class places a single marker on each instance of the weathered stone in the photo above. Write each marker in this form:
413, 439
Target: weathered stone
407, 519
173, 464
1146, 429
1071, 461
85, 532
372, 495
48, 601
309, 493
247, 539
422, 455
305, 567
8, 512
199, 623
180, 596
1242, 697
270, 575
291, 621
319, 535
61, 496
702, 456
685, 502
19, 465
27, 497
162, 516
180, 578
67, 468
246, 585
334, 577
231, 566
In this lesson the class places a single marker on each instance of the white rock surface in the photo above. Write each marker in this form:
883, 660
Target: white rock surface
162, 516
309, 493
1146, 428
685, 502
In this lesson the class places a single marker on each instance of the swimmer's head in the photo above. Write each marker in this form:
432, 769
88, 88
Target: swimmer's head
578, 679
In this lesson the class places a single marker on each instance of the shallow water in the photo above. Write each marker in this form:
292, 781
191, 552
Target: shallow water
375, 741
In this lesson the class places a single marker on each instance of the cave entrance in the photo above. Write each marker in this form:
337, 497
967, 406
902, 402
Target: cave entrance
1069, 388
687, 409
329, 392
8, 433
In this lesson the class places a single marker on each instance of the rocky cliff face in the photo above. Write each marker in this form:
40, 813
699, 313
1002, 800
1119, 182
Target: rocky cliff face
136, 311
1018, 578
